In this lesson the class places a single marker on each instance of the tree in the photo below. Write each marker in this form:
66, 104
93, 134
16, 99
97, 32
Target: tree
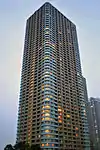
9, 147
35, 147
22, 146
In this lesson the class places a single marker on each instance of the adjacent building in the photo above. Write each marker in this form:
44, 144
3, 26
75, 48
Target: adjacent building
52, 104
94, 122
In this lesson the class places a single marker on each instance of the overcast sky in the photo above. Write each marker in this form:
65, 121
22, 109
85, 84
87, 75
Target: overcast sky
13, 14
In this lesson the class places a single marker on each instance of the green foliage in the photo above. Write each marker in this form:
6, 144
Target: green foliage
22, 146
9, 147
35, 147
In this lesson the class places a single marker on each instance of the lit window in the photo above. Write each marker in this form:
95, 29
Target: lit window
50, 96
46, 28
76, 135
47, 131
47, 144
85, 114
96, 131
47, 114
42, 145
60, 117
60, 32
47, 88
60, 121
47, 99
68, 116
59, 110
46, 57
46, 110
46, 75
46, 72
59, 106
47, 32
76, 128
47, 106
47, 118
47, 126
39, 136
48, 135
43, 89
42, 86
52, 144
84, 110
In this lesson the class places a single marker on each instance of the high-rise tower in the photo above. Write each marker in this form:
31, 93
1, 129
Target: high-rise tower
52, 107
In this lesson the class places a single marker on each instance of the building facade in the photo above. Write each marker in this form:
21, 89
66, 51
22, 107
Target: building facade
94, 122
52, 105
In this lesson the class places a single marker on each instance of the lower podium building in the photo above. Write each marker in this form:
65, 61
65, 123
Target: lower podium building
52, 105
94, 122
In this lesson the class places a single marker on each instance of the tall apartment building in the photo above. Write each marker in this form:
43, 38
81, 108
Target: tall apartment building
94, 122
52, 106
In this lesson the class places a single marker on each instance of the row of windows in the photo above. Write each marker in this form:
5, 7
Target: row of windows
67, 75
51, 54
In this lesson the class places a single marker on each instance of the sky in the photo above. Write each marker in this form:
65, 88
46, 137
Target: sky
13, 14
